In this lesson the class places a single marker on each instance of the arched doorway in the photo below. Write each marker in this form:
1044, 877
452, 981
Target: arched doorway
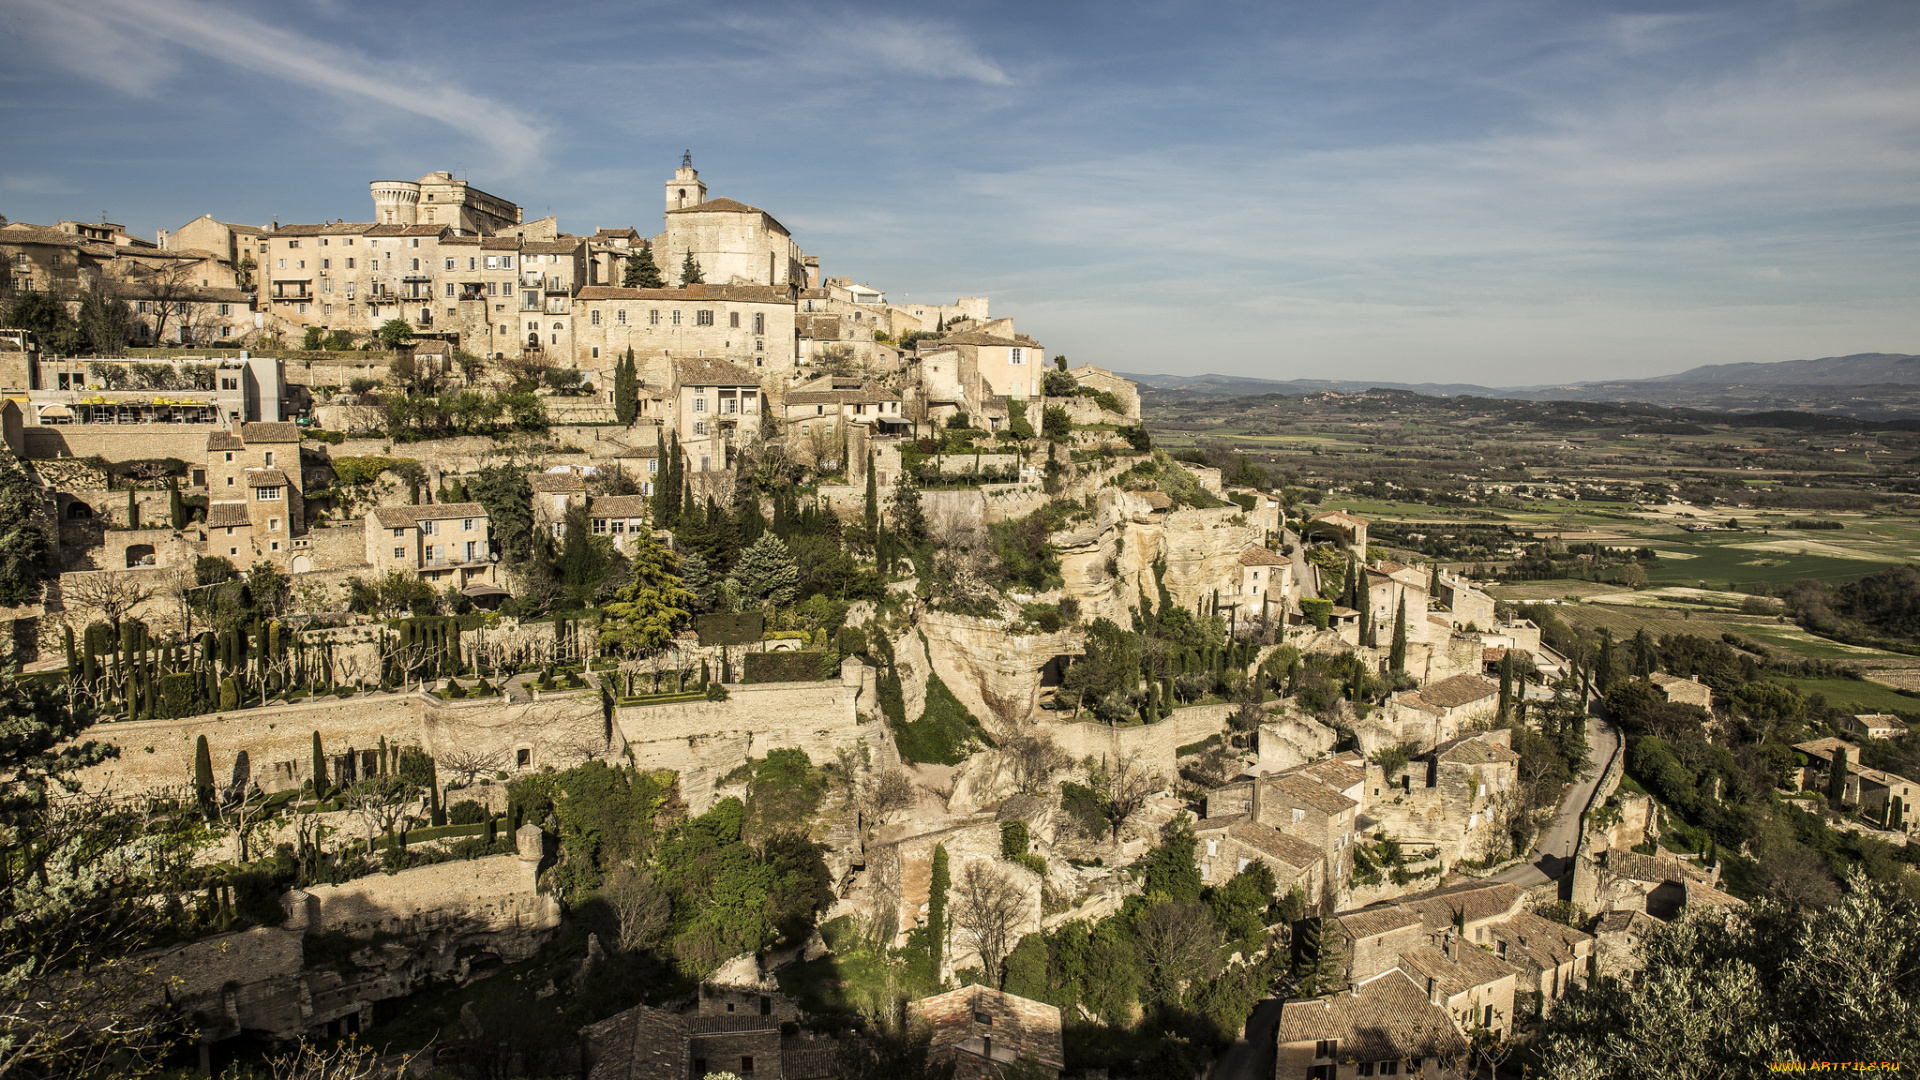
79, 511
140, 555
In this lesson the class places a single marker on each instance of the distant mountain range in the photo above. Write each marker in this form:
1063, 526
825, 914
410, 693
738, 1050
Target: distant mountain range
1871, 386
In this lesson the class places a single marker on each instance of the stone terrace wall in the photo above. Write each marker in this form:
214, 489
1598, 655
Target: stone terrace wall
1151, 745
278, 741
492, 895
120, 442
705, 740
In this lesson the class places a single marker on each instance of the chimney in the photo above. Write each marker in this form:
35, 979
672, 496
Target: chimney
1433, 990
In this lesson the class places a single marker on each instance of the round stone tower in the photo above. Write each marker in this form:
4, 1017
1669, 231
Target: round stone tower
395, 202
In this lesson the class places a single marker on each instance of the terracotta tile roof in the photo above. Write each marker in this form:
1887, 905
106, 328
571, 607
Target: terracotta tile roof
1457, 691
1259, 556
1371, 921
1472, 902
705, 372
548, 483
1338, 775
978, 337
1477, 750
1615, 922
279, 432
1388, 567
1387, 1018
869, 396
1338, 517
718, 206
1536, 942
1637, 867
629, 233
225, 440
1699, 892
397, 517
499, 243
1458, 968
642, 1043
266, 478
1411, 699
1290, 850
1307, 792
618, 506
223, 514
550, 247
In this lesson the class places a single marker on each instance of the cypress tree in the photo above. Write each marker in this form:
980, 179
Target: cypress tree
1603, 677
937, 906
1366, 627
381, 769
870, 513
133, 508
690, 270
1397, 658
203, 775
176, 506
319, 770
1837, 777
626, 401
73, 656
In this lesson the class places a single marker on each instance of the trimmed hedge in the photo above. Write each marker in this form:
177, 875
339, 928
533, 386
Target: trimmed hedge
744, 628
765, 667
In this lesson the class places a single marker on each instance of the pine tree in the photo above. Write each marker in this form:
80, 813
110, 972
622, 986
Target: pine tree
696, 580
909, 521
765, 573
641, 271
1397, 658
690, 270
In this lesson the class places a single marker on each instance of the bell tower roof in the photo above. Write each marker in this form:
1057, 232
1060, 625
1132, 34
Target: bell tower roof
686, 188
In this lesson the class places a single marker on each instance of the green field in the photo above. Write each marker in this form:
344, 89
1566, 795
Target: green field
1855, 696
1718, 562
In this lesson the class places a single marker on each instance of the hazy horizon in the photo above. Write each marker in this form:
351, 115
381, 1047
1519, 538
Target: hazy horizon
1496, 193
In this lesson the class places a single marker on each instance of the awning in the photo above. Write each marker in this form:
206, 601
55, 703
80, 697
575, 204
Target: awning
56, 412
480, 588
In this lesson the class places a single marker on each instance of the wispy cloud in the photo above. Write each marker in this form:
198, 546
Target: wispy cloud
856, 43
140, 46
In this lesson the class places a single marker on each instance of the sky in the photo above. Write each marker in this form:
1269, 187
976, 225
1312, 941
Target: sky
1502, 192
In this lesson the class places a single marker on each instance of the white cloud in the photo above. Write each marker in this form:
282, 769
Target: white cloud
140, 46
851, 42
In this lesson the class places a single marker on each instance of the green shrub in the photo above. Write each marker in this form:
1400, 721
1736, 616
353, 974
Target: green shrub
805, 666
851, 641
945, 733
466, 812
744, 628
229, 694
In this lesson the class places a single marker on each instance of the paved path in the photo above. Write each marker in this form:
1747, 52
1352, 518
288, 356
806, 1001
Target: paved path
1251, 1056
1555, 850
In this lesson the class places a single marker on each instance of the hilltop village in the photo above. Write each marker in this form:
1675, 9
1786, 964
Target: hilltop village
636, 655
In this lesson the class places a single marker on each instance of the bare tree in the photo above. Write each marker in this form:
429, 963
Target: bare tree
1033, 758
469, 763
347, 1060
168, 292
1179, 946
242, 813
380, 802
988, 908
887, 794
641, 905
1120, 790
110, 593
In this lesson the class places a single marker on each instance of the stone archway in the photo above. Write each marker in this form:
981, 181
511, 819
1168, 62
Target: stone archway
141, 555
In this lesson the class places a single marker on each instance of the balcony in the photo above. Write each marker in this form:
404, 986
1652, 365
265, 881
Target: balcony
557, 287
531, 280
416, 277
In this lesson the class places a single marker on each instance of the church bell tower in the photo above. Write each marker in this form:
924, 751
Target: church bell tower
685, 189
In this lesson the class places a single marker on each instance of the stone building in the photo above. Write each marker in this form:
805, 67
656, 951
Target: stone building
751, 326
980, 364
1875, 726
446, 545
847, 400
1265, 582
255, 493
1683, 691
1385, 1025
983, 1030
1466, 605
1392, 586
439, 199
715, 407
1344, 527
733, 243
118, 392
1438, 712
1455, 798
1883, 797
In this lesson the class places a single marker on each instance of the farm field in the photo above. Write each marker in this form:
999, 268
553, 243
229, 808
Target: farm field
1854, 696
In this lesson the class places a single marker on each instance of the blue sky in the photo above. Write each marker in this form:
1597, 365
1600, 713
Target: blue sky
1500, 192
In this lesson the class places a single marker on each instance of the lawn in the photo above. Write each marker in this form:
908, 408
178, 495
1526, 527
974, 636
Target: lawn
1855, 696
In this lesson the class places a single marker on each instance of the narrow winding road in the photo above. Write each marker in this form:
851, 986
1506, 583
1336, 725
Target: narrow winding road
1251, 1057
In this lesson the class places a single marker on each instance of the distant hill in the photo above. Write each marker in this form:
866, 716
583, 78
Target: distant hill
1871, 386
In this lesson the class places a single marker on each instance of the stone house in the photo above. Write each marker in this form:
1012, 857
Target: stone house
1264, 581
1438, 712
1682, 691
983, 365
554, 493
748, 325
645, 1043
446, 545
847, 400
983, 1030
1875, 726
256, 509
1475, 987
1660, 885
1346, 528
1466, 605
1452, 799
937, 317
1880, 795
1551, 958
1389, 585
1314, 823
715, 407
1617, 938
1123, 390
619, 517
1229, 843
1383, 1026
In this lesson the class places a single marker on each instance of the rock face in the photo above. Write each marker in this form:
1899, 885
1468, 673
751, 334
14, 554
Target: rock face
1106, 563
996, 675
1287, 741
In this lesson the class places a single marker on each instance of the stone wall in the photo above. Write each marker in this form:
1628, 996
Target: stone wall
120, 442
1153, 746
706, 740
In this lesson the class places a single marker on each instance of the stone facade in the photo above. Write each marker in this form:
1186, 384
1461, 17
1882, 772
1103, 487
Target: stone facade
983, 1030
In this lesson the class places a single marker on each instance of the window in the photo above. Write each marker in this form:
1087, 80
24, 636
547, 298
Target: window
699, 404
415, 242
703, 317
593, 319
596, 352
1242, 866
1016, 356
283, 264
229, 453
676, 316
1389, 1068
759, 346
273, 524
1365, 1068
1486, 1017
1326, 1048
269, 458
733, 319
524, 758
452, 264
416, 262
268, 494
226, 309
466, 524
293, 244
618, 316
653, 317
699, 427
427, 528
653, 465
599, 526
506, 262
759, 323
399, 552
226, 331
1299, 815
471, 261
1213, 848
449, 290
983, 1018
746, 1065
